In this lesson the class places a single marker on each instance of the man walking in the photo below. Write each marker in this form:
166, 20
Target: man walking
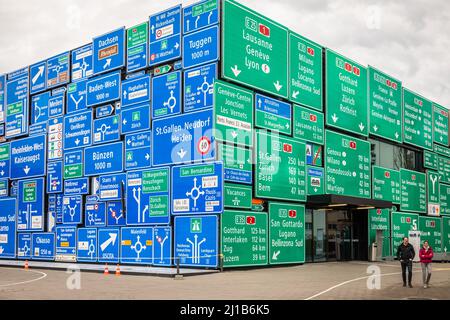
406, 254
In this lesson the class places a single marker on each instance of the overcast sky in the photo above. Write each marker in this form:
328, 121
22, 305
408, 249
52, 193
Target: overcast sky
409, 40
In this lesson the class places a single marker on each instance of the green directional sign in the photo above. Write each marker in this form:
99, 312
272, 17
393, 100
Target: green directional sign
233, 114
243, 238
431, 230
254, 49
347, 165
315, 183
4, 152
440, 124
156, 181
417, 120
4, 187
308, 125
346, 94
444, 151
430, 160
385, 106
414, 191
30, 191
444, 169
433, 197
401, 224
305, 72
73, 171
386, 184
280, 167
444, 194
446, 234
137, 35
286, 233
237, 196
237, 163
379, 220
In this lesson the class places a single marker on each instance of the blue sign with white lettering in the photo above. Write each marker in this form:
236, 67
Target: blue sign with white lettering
137, 48
104, 111
55, 207
5, 160
87, 245
8, 228
14, 189
166, 94
137, 150
78, 130
24, 246
76, 96
103, 89
108, 245
199, 87
135, 119
55, 177
184, 138
95, 214
109, 51
106, 129
30, 208
37, 129
28, 157
38, 73
66, 243
73, 209
82, 63
115, 214
273, 107
103, 159
56, 105
39, 107
2, 100
43, 246
76, 186
16, 108
58, 70
4, 186
137, 245
112, 187
162, 246
136, 90
197, 240
200, 15
201, 47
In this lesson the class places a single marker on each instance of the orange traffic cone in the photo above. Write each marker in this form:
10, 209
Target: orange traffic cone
106, 271
118, 270
26, 265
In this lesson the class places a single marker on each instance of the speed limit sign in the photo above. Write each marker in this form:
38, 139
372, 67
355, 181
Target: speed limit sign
203, 145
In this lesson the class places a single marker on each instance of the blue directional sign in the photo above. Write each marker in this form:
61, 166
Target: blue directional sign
165, 36
76, 96
73, 164
55, 207
39, 107
106, 129
56, 105
30, 208
2, 99
103, 89
4, 187
38, 74
137, 150
108, 245
66, 243
104, 111
109, 51
95, 214
28, 157
5, 160
72, 209
82, 63
76, 186
200, 15
78, 130
14, 189
199, 87
135, 119
8, 228
24, 246
201, 47
17, 103
273, 108
137, 47
137, 245
135, 90
115, 215
112, 187
55, 138
51, 220
183, 139
43, 246
55, 177
162, 246
58, 70
196, 240
103, 159
87, 245
166, 94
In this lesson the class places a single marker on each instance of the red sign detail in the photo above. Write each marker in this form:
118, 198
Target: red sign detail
251, 220
264, 30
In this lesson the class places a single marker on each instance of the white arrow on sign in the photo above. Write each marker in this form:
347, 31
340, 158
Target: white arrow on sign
295, 94
107, 64
361, 126
26, 169
1, 250
278, 86
147, 156
38, 75
181, 153
234, 134
235, 70
176, 46
77, 142
375, 128
112, 239
396, 135
334, 117
275, 255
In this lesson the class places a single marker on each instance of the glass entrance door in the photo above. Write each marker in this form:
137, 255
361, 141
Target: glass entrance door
339, 232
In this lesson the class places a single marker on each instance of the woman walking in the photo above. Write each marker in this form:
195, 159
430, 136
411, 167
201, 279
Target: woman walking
426, 255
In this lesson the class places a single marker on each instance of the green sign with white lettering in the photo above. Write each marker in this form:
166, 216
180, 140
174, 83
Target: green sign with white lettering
73, 171
385, 106
379, 220
346, 94
308, 125
237, 196
417, 120
414, 191
386, 184
446, 234
443, 151
137, 35
402, 223
254, 49
430, 230
305, 72
444, 195
430, 160
156, 181
444, 169
29, 191
4, 153
440, 124
286, 233
347, 165
315, 183
237, 163
433, 197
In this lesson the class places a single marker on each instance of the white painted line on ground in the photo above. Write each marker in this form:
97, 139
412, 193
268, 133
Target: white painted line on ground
43, 275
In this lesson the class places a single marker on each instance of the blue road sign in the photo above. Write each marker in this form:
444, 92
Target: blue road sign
135, 90
87, 245
72, 209
2, 128
76, 96
43, 246
55, 138
55, 207
14, 189
39, 107
104, 111
201, 47
109, 51
73, 164
135, 119
2, 98
51, 220
82, 63
166, 94
7, 228
108, 245
5, 160
76, 186
77, 130
37, 129
115, 215
55, 177
103, 159
16, 108
56, 105
66, 243
38, 74
165, 36
103, 89
199, 87
137, 150
58, 70
30, 209
136, 245
274, 108
112, 186
95, 214
184, 138
196, 240
200, 15
137, 54
162, 246
24, 246
197, 188
28, 157
4, 187
106, 129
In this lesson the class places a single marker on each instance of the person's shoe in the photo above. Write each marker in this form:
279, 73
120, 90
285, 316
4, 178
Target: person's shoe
410, 285
404, 285
425, 286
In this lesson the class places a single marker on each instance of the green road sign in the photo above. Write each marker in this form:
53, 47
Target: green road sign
379, 220
280, 167
237, 162
4, 188
430, 160
29, 191
237, 196
156, 181
244, 238
433, 197
347, 165
315, 183
385, 106
446, 234
346, 94
137, 35
308, 125
431, 230
444, 169
414, 191
444, 194
4, 152
440, 124
73, 171
286, 233
417, 120
386, 184
254, 49
401, 224
444, 151
305, 72
233, 114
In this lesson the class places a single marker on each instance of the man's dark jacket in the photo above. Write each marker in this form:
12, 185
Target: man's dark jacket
405, 252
